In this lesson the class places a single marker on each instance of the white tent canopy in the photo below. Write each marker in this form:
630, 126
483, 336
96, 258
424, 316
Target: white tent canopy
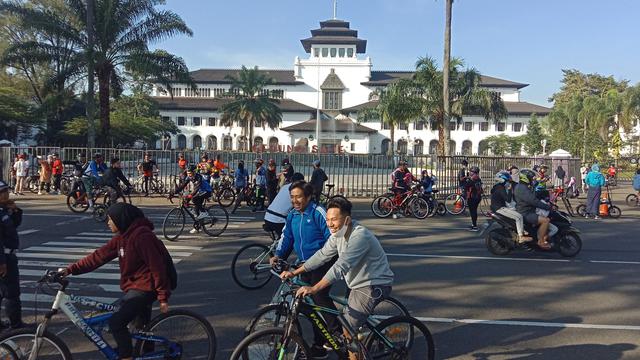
560, 153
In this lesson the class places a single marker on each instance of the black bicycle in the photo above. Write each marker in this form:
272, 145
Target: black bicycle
175, 221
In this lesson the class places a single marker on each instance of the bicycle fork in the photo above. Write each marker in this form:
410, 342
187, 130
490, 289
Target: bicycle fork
37, 339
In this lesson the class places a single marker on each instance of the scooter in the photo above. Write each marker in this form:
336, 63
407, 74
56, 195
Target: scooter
501, 236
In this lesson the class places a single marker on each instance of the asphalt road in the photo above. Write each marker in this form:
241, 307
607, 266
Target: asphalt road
478, 306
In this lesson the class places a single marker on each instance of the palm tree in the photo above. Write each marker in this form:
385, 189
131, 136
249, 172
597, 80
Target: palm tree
123, 31
465, 96
398, 103
446, 65
251, 104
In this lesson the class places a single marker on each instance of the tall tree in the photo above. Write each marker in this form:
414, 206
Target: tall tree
123, 31
446, 65
251, 104
465, 96
533, 139
398, 103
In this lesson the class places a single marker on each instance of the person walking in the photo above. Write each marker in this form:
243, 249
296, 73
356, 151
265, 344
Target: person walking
22, 171
595, 181
10, 219
473, 191
46, 167
318, 178
241, 181
584, 170
261, 185
306, 232
147, 167
57, 168
272, 181
560, 176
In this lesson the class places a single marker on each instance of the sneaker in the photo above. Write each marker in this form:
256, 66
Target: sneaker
40, 193
318, 352
473, 228
194, 231
597, 217
394, 216
202, 216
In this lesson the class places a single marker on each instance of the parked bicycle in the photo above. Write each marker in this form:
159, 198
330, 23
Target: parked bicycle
325, 196
606, 208
409, 203
248, 195
398, 337
633, 200
455, 203
174, 223
156, 185
177, 334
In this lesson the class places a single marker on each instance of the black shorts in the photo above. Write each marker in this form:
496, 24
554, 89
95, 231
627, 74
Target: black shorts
531, 218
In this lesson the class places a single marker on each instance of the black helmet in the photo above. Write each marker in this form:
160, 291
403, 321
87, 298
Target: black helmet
527, 176
191, 168
464, 162
475, 169
285, 161
97, 156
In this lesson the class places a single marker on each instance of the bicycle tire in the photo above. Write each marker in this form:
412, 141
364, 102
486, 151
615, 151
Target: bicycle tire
217, 221
450, 204
248, 348
33, 184
581, 210
226, 197
631, 200
51, 345
416, 349
485, 206
615, 212
263, 254
74, 205
419, 208
164, 325
382, 206
7, 353
172, 230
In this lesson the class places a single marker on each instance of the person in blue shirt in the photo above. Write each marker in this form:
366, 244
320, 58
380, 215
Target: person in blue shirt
306, 232
261, 185
241, 181
201, 192
427, 181
595, 181
636, 184
92, 175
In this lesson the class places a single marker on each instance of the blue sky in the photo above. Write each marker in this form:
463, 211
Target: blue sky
528, 41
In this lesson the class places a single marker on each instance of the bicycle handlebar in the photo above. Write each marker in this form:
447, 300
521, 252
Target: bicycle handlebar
56, 277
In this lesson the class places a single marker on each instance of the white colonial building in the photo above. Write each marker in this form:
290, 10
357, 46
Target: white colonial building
336, 78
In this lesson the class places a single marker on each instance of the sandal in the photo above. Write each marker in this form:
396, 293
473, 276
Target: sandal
544, 245
524, 238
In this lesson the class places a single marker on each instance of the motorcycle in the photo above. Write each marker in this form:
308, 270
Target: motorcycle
501, 236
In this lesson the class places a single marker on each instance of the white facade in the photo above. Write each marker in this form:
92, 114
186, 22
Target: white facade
356, 82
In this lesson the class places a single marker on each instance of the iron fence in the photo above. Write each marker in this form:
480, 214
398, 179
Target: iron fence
354, 175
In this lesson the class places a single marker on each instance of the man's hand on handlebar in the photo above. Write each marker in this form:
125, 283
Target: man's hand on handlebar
305, 291
273, 261
287, 275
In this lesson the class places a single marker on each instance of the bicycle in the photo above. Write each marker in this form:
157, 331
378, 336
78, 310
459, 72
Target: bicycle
78, 202
175, 221
397, 337
156, 185
223, 191
272, 314
409, 203
455, 203
159, 339
254, 257
325, 196
248, 194
632, 200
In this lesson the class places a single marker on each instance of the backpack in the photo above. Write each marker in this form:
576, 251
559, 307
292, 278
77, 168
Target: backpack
172, 273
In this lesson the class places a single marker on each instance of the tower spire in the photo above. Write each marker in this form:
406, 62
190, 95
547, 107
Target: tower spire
335, 9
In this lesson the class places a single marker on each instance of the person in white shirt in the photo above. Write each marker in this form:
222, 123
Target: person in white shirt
276, 214
22, 171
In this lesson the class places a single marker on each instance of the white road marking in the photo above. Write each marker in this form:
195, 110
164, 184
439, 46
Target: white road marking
91, 275
111, 288
55, 265
27, 232
531, 324
87, 250
170, 247
515, 259
55, 215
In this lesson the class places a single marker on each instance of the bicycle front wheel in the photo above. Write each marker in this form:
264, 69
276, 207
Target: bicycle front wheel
226, 197
388, 340
21, 342
191, 332
250, 266
173, 224
455, 204
382, 206
271, 344
632, 200
7, 353
217, 221
75, 204
419, 208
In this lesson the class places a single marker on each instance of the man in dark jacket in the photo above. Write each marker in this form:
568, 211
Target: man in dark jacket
10, 219
318, 177
112, 178
527, 203
143, 270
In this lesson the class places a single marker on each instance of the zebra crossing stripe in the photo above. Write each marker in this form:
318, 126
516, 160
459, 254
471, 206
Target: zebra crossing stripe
52, 265
87, 250
170, 247
91, 275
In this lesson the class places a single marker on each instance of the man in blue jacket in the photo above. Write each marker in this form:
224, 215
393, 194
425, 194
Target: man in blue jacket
306, 232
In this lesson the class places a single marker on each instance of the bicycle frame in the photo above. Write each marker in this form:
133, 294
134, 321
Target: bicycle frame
92, 327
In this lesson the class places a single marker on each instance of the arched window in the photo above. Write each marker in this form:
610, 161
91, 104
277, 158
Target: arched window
182, 142
196, 142
452, 146
273, 144
483, 148
402, 146
212, 142
418, 147
257, 143
384, 147
467, 147
227, 143
433, 146
242, 143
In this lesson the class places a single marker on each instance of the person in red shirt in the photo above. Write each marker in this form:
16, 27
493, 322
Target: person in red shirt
182, 162
143, 270
57, 170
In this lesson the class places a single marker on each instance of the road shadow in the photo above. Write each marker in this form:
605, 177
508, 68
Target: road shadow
580, 351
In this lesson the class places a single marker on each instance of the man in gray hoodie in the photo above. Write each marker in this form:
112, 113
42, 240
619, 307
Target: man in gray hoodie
362, 263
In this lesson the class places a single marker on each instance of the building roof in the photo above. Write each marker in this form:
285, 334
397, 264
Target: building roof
337, 125
513, 107
213, 104
384, 78
335, 32
219, 76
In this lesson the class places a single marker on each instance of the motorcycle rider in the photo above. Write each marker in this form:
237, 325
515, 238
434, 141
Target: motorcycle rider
527, 203
502, 203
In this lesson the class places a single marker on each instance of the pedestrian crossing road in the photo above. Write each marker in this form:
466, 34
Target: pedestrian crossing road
102, 284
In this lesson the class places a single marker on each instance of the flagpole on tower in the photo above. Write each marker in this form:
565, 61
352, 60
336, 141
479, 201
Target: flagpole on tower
335, 9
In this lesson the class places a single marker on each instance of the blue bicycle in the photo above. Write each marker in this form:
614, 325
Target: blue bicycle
177, 334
